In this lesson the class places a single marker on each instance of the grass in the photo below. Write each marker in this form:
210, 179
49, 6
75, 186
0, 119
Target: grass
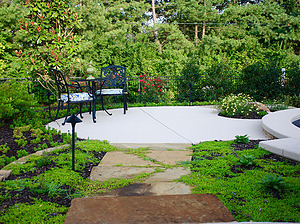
241, 192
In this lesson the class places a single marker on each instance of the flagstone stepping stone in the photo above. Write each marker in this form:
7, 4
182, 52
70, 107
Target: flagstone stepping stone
103, 173
170, 157
117, 158
201, 208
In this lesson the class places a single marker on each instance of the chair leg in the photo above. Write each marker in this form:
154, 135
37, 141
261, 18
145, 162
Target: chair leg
68, 110
80, 110
103, 108
58, 108
94, 111
125, 103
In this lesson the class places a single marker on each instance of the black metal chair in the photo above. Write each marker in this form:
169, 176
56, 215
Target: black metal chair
113, 83
70, 94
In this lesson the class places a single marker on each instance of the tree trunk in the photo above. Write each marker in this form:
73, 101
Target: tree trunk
155, 30
196, 34
204, 23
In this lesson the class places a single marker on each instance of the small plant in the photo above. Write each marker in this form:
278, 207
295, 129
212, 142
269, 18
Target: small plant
273, 183
4, 148
22, 153
21, 142
247, 160
43, 161
4, 160
242, 139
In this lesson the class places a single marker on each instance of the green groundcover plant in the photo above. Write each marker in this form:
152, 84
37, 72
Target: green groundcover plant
247, 191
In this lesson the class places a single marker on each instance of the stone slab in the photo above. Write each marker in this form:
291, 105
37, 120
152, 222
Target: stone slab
170, 157
144, 189
169, 174
103, 173
153, 146
202, 208
287, 147
4, 174
169, 188
123, 159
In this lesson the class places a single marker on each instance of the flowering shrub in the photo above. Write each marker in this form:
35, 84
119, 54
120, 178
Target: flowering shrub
151, 89
238, 106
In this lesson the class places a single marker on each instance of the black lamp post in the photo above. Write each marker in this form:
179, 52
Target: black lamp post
73, 120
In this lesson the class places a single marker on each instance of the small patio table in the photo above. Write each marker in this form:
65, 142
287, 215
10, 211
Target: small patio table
93, 81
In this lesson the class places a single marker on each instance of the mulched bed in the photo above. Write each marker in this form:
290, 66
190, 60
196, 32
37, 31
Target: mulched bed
252, 115
27, 195
6, 137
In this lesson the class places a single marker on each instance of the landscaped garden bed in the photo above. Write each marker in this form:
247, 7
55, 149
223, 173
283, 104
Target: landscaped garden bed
238, 172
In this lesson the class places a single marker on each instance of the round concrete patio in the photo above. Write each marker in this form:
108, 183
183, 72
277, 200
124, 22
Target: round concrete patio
168, 124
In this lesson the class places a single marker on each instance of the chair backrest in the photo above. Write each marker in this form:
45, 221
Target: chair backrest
60, 80
114, 76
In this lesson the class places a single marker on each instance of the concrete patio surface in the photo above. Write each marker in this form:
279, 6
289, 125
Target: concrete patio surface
169, 124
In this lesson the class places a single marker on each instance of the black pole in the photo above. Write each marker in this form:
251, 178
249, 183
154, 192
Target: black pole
73, 120
73, 146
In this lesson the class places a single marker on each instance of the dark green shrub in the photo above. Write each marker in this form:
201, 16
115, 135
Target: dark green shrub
292, 84
15, 101
189, 83
261, 81
218, 81
295, 100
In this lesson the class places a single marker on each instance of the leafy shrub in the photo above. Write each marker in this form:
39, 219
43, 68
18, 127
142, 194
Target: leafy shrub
293, 79
246, 160
273, 183
237, 105
261, 80
15, 101
151, 89
218, 81
189, 83
295, 100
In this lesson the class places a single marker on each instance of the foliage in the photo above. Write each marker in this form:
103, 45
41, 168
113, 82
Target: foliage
241, 139
292, 86
237, 105
273, 183
38, 212
15, 101
189, 83
151, 89
46, 37
261, 81
247, 160
218, 81
212, 172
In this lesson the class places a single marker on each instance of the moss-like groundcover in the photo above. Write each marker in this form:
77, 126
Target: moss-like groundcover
262, 189
252, 183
